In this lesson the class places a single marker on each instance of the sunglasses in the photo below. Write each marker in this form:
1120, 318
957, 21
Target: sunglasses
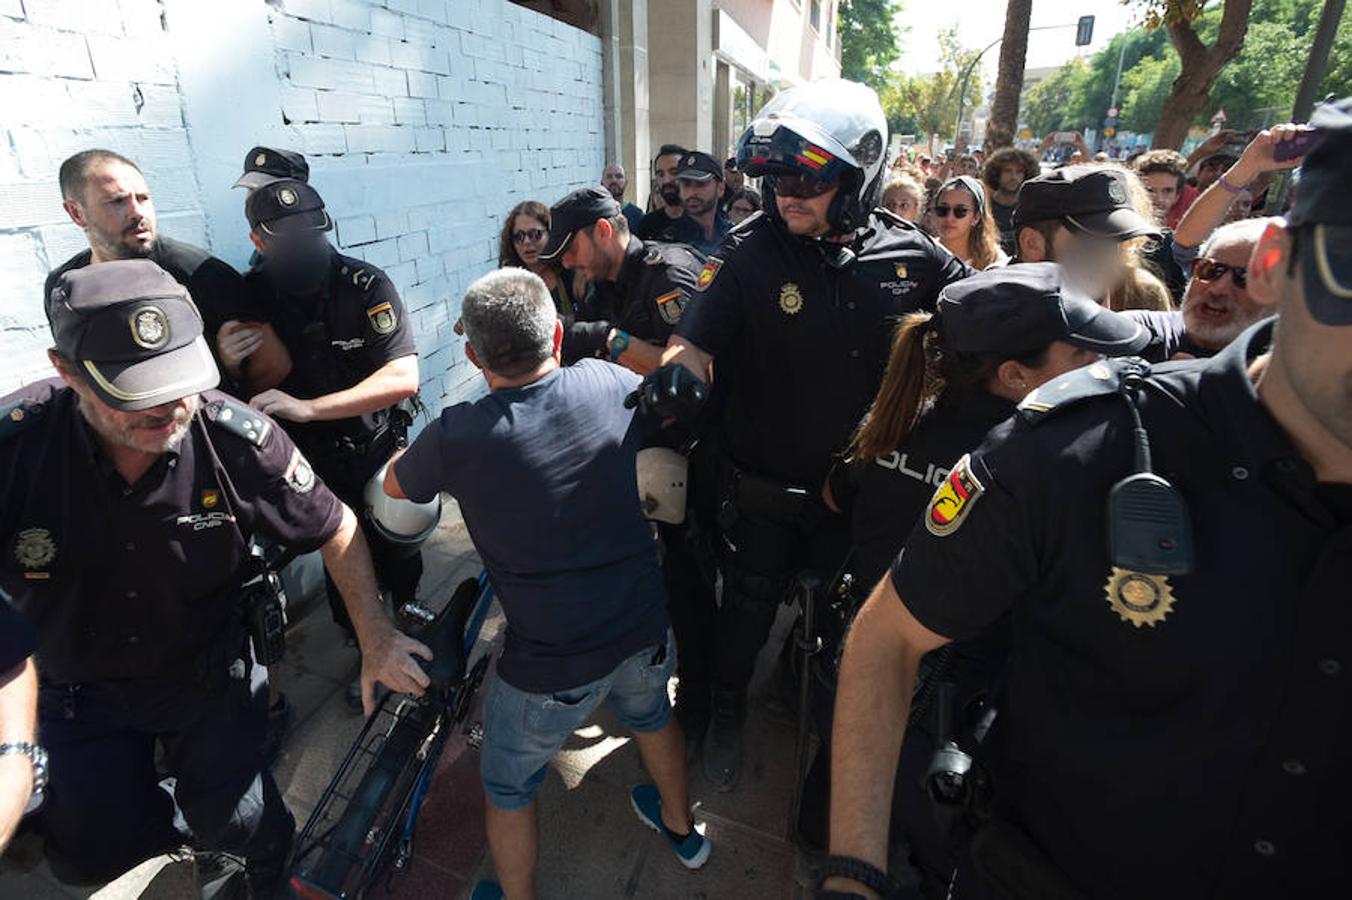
1209, 270
959, 212
802, 187
532, 235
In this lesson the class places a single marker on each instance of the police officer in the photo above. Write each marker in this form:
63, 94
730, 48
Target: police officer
640, 291
1165, 728
129, 497
353, 361
797, 310
705, 223
640, 288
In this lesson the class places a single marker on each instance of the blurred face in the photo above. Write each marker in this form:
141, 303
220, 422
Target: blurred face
664, 179
116, 212
740, 209
804, 203
1093, 264
614, 180
1216, 307
953, 215
1163, 189
909, 204
1011, 178
529, 236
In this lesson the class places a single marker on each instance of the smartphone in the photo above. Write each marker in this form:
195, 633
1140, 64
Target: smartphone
1298, 146
1065, 137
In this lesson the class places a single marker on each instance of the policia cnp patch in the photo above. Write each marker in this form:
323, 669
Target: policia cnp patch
954, 499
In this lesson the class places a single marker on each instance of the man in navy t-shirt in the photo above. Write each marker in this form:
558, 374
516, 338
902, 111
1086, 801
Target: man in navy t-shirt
544, 471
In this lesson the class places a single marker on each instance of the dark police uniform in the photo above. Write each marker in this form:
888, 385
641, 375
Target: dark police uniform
134, 592
337, 338
215, 286
1161, 736
655, 283
800, 330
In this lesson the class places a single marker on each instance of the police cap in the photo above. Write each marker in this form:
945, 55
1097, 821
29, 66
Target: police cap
1093, 200
1018, 309
264, 165
698, 166
580, 209
134, 333
286, 207
1321, 203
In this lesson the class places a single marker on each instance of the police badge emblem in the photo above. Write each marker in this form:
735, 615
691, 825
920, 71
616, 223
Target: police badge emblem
383, 319
287, 197
34, 548
900, 269
791, 299
670, 306
261, 159
954, 499
149, 327
210, 499
1139, 597
706, 275
1116, 192
299, 476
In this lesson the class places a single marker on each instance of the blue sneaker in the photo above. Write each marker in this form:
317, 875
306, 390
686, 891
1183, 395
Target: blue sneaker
692, 850
487, 890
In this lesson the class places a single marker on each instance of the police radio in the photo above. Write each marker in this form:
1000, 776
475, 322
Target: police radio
264, 601
1149, 529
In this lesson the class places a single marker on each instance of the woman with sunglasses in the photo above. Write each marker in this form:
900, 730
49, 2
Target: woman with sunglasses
962, 221
523, 237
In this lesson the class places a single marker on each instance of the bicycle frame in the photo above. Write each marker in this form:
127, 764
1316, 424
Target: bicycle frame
366, 816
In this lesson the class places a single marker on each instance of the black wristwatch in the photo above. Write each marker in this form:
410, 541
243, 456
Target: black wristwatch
856, 870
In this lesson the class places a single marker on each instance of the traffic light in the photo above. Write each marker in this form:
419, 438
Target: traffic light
1084, 31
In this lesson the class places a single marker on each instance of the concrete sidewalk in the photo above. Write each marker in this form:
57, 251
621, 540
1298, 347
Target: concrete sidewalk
591, 843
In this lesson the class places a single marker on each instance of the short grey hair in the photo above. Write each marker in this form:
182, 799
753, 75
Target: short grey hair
509, 320
1247, 230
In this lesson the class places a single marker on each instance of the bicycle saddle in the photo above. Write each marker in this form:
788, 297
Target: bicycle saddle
445, 637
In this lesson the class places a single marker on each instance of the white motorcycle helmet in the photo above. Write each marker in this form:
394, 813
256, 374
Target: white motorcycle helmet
828, 129
399, 521
661, 484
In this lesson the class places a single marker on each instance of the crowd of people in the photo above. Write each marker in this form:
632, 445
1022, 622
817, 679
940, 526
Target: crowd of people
1077, 504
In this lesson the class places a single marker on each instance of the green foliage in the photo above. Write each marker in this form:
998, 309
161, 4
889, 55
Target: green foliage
1144, 89
868, 42
928, 104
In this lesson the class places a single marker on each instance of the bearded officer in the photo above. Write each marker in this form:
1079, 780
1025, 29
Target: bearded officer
130, 493
353, 360
1172, 722
797, 310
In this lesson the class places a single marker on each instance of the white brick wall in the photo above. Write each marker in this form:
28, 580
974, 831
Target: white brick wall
424, 122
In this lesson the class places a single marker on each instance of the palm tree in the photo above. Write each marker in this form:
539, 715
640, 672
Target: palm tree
1009, 77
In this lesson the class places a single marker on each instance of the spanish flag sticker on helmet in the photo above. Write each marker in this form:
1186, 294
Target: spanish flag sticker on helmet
954, 499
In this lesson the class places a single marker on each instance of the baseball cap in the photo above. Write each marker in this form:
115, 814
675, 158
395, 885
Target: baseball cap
580, 209
1093, 200
1321, 206
134, 331
1021, 308
697, 166
264, 165
286, 206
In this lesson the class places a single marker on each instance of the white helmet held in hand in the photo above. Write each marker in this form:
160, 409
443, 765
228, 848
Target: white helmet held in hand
661, 484
399, 521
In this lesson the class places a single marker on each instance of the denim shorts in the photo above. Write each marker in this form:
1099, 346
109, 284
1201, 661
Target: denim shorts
523, 731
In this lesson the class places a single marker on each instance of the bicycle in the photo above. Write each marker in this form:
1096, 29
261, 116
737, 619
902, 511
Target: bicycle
364, 824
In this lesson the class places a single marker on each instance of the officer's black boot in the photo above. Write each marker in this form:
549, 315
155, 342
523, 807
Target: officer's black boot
723, 743
692, 712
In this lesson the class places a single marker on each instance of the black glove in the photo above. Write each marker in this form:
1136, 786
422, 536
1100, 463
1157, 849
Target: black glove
584, 339
670, 392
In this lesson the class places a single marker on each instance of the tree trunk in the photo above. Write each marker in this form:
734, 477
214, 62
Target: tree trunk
1199, 68
1004, 119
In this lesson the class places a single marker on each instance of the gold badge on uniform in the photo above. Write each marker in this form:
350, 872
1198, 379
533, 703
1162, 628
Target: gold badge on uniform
706, 275
954, 499
901, 269
287, 197
791, 299
670, 306
383, 318
149, 327
16, 414
210, 499
34, 548
1139, 597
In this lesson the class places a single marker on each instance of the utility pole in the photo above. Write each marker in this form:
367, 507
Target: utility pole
1318, 64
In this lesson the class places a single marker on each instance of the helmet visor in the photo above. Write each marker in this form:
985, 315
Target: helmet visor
793, 147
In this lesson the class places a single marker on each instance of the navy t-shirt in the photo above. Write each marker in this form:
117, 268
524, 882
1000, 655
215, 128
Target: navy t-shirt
545, 478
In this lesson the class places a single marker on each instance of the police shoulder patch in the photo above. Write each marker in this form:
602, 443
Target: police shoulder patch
383, 318
241, 420
19, 416
300, 476
954, 499
708, 273
670, 306
1097, 380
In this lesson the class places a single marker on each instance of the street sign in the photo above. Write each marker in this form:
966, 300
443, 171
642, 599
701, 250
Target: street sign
1084, 31
1220, 118
1113, 112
